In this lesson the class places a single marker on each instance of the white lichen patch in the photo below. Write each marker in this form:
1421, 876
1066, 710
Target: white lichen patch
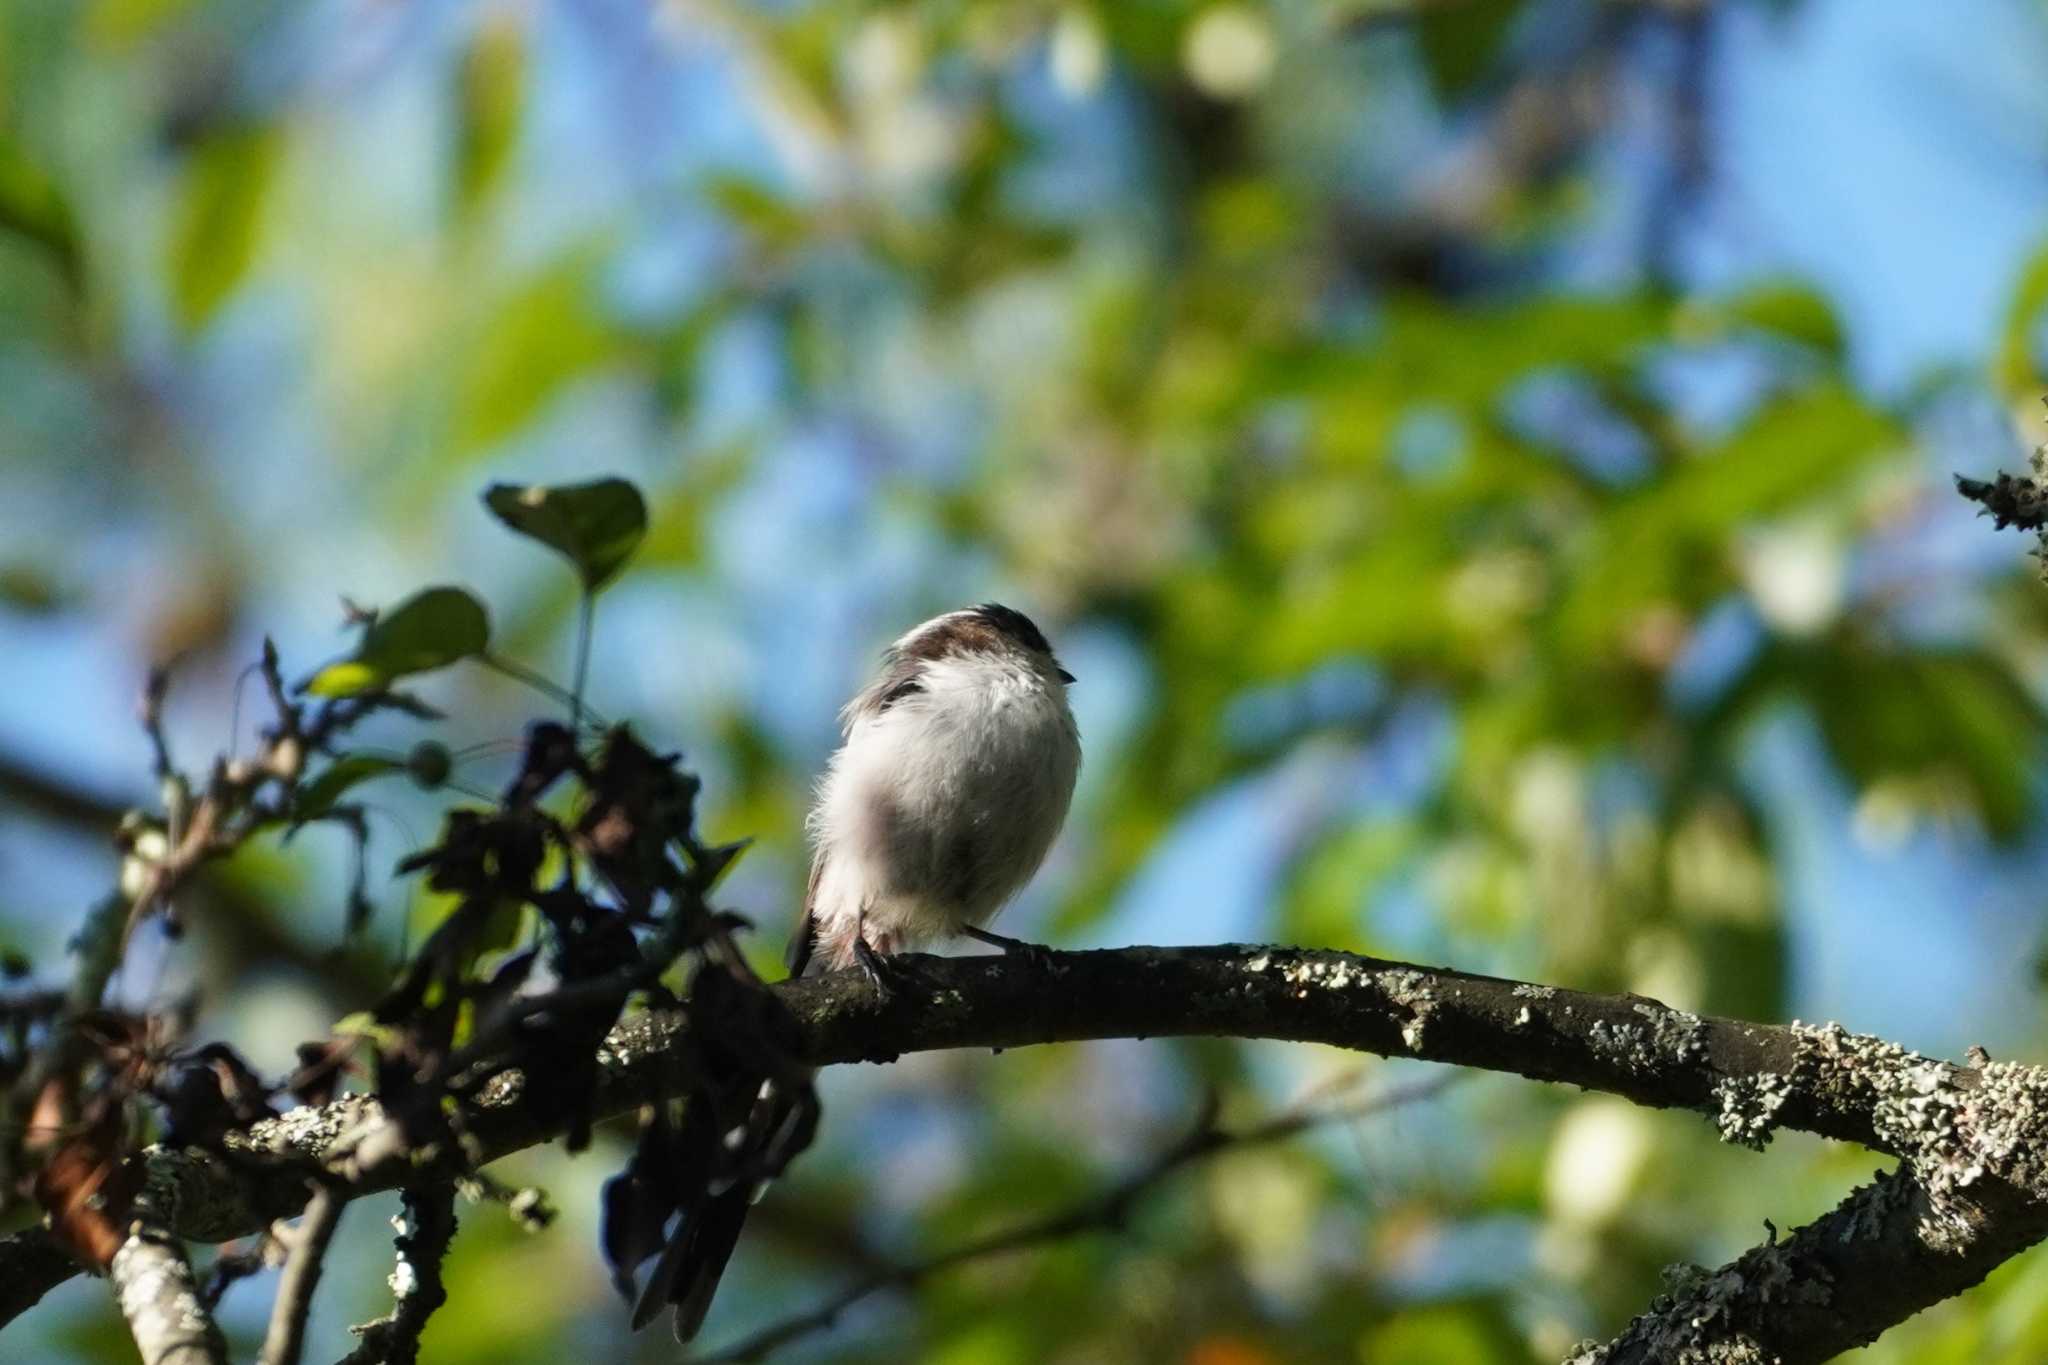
1746, 1108
308, 1132
1527, 992
1336, 973
1950, 1135
1626, 1044
1679, 1035
1868, 1206
1709, 1317
1412, 991
1916, 1108
403, 1279
2006, 1115
1953, 1128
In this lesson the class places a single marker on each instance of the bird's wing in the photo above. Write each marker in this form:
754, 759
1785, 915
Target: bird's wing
798, 954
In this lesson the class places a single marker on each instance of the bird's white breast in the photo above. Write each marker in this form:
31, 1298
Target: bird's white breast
938, 808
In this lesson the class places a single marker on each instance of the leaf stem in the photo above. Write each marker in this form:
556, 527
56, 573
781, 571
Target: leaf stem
520, 673
586, 616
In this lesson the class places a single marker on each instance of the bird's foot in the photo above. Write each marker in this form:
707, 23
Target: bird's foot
1036, 954
889, 977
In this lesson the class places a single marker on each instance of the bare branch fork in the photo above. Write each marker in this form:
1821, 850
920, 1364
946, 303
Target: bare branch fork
1971, 1189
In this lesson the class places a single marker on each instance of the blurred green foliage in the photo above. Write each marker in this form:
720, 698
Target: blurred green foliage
1228, 334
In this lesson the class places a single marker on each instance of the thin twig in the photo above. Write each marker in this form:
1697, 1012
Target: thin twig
233, 1266
426, 1226
286, 1338
1106, 1210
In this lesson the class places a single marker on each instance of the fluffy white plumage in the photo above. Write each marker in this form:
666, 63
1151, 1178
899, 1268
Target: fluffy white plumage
955, 775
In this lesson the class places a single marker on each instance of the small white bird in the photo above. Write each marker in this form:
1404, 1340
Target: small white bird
954, 778
955, 775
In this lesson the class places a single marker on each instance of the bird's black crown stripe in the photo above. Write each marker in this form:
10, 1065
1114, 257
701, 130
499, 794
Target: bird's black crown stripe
1014, 624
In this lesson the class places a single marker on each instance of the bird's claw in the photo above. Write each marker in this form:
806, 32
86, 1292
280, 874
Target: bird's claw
888, 976
1036, 955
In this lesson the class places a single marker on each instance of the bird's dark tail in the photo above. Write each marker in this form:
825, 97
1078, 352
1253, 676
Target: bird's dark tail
805, 939
703, 1161
801, 944
705, 1165
691, 1264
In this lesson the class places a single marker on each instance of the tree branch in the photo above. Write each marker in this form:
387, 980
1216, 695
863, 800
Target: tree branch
286, 1337
159, 1296
425, 1230
1887, 1251
48, 797
1973, 1138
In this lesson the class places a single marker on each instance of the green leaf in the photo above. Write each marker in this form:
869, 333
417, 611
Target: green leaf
31, 206
596, 525
317, 797
1921, 716
499, 931
1791, 311
1460, 42
219, 211
1448, 1331
1670, 542
30, 589
363, 1024
2017, 370
531, 346
428, 630
776, 221
490, 92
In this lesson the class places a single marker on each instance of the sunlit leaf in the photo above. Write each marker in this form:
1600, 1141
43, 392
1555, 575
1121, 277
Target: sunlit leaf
1467, 359
1670, 542
1327, 895
363, 1024
1471, 1333
490, 94
542, 337
2019, 366
218, 217
429, 630
121, 25
1791, 311
774, 220
596, 525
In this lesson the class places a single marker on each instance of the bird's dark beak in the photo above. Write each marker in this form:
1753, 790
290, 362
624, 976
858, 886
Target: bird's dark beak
1065, 676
